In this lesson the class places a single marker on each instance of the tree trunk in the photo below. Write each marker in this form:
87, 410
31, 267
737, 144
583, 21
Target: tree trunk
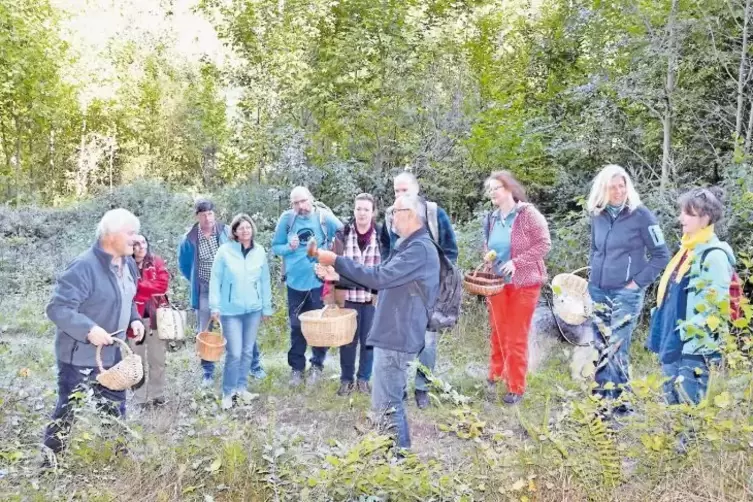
742, 75
666, 162
18, 158
749, 133
51, 148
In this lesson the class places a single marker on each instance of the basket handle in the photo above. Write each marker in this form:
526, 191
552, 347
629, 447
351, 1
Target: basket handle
581, 269
217, 322
321, 313
98, 353
484, 265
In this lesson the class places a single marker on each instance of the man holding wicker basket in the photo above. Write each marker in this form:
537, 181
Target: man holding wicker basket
92, 307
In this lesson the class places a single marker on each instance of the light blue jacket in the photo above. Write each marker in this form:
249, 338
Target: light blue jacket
240, 285
709, 285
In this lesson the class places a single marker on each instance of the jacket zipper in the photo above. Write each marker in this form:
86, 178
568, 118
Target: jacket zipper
630, 261
606, 241
230, 295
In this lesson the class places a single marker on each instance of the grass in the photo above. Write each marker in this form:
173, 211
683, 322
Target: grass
309, 444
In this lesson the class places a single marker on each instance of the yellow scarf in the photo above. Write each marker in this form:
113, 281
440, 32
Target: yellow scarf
687, 244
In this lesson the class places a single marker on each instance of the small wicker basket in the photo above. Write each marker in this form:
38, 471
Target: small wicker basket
329, 327
124, 375
571, 301
483, 283
210, 345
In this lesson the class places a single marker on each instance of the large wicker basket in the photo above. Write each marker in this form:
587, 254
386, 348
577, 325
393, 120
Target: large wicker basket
124, 375
571, 301
210, 345
483, 283
329, 327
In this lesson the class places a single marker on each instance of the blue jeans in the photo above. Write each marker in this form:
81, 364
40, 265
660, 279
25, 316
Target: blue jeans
694, 370
299, 302
366, 354
616, 312
71, 380
202, 317
427, 357
240, 332
390, 379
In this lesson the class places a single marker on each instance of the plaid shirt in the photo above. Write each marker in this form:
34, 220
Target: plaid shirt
370, 257
207, 249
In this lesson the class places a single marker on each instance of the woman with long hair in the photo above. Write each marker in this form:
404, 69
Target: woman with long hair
623, 233
240, 294
518, 235
694, 287
154, 279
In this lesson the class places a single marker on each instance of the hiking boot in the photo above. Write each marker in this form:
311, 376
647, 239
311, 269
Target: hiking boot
258, 374
315, 374
422, 399
363, 387
296, 378
512, 398
346, 388
159, 402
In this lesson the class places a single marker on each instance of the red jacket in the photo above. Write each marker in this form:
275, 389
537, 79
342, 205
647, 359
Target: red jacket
154, 280
529, 245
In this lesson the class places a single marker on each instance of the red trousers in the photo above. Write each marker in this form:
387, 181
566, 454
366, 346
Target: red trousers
510, 314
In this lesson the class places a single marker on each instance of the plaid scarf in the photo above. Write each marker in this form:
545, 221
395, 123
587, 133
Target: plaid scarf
370, 257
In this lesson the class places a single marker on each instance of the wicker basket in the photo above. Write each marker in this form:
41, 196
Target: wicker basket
210, 345
483, 283
124, 375
571, 301
329, 327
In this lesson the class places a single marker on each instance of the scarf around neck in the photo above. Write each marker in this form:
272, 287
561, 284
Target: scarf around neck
687, 245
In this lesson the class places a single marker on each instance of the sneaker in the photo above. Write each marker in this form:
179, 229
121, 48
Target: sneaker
346, 388
227, 402
258, 373
512, 398
296, 378
49, 459
245, 395
159, 402
422, 399
315, 374
363, 387
207, 382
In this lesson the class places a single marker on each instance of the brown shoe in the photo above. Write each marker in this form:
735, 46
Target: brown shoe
363, 387
346, 388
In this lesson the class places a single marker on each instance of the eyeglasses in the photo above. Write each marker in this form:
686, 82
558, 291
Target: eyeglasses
298, 202
403, 209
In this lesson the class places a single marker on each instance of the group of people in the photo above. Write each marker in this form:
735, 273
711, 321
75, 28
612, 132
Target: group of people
390, 275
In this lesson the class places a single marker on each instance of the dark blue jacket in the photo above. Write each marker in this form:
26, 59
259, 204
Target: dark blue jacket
188, 257
402, 311
86, 295
619, 248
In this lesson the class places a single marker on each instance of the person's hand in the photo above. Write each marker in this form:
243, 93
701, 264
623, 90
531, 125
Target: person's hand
508, 268
215, 316
138, 330
490, 256
632, 285
98, 336
326, 257
326, 273
294, 242
265, 318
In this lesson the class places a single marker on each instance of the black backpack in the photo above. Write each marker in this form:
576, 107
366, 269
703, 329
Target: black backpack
446, 310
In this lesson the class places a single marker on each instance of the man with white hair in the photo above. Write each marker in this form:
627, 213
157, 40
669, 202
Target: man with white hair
298, 226
93, 303
441, 231
408, 285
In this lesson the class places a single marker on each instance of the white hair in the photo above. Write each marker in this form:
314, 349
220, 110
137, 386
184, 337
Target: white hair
115, 220
409, 178
415, 204
301, 190
599, 196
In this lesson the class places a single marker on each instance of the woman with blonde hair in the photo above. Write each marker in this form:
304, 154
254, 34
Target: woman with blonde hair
516, 239
623, 233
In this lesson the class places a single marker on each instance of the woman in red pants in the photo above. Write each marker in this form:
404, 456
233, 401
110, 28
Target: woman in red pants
518, 235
